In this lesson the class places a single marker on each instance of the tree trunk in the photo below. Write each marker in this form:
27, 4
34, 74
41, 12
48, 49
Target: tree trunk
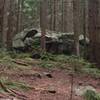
1, 19
76, 21
43, 23
11, 23
5, 23
19, 16
68, 16
94, 29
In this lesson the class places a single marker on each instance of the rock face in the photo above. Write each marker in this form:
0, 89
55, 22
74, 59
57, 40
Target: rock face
64, 43
81, 90
23, 40
55, 42
58, 43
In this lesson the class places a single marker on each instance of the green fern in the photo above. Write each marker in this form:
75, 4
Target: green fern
91, 95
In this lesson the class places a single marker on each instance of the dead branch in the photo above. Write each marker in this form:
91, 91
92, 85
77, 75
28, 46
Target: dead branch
20, 62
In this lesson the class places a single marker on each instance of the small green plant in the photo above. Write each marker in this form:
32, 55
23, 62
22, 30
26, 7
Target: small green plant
47, 56
7, 84
3, 54
17, 85
91, 95
46, 64
15, 55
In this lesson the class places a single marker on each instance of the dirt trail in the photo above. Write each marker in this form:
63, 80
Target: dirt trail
52, 84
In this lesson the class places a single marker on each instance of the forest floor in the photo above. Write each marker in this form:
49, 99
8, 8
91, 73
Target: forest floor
28, 81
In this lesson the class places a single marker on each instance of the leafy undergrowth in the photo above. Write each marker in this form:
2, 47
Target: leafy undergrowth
11, 60
16, 68
8, 84
22, 62
91, 95
70, 63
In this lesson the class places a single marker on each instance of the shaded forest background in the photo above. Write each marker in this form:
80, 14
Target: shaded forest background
69, 16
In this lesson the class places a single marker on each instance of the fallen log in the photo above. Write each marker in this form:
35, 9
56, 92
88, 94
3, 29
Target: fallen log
19, 62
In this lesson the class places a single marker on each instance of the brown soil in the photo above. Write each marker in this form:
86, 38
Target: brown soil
57, 87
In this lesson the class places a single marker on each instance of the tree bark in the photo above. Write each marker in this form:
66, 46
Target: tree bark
5, 23
94, 30
19, 15
76, 21
11, 23
43, 23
